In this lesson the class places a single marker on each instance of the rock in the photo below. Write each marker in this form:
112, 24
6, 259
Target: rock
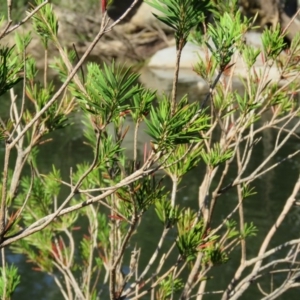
162, 83
166, 58
162, 63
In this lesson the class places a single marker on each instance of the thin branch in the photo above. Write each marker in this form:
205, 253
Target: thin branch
236, 291
175, 78
61, 89
6, 30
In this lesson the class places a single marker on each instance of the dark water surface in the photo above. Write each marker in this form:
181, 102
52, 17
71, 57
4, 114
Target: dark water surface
262, 209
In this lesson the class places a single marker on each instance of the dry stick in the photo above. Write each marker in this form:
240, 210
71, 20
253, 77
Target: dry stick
204, 192
214, 231
255, 173
242, 286
261, 289
9, 7
32, 122
124, 243
202, 285
86, 192
93, 244
247, 150
291, 270
207, 293
270, 125
209, 94
215, 193
241, 208
45, 67
174, 190
21, 156
20, 115
61, 289
157, 271
4, 192
277, 164
136, 129
43, 222
188, 286
282, 289
151, 261
290, 22
281, 130
62, 88
272, 263
8, 17
6, 30
201, 290
211, 89
112, 268
3, 271
70, 278
27, 195
55, 214
71, 247
101, 32
59, 265
115, 261
155, 283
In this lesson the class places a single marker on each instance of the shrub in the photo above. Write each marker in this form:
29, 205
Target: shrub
113, 193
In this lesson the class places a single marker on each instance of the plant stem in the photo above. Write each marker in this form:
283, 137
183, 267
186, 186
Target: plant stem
3, 273
175, 78
174, 190
4, 192
136, 129
188, 286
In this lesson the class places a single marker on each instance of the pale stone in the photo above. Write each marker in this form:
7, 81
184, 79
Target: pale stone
163, 63
166, 58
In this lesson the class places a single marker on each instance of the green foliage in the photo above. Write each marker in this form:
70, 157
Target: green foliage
183, 159
247, 191
81, 227
141, 104
169, 286
60, 67
213, 254
192, 235
166, 213
273, 43
138, 197
45, 23
226, 37
249, 230
54, 118
206, 67
10, 69
108, 91
22, 41
181, 15
168, 131
250, 55
232, 232
280, 99
216, 156
9, 280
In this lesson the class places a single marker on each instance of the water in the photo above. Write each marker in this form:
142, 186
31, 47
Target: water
262, 209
